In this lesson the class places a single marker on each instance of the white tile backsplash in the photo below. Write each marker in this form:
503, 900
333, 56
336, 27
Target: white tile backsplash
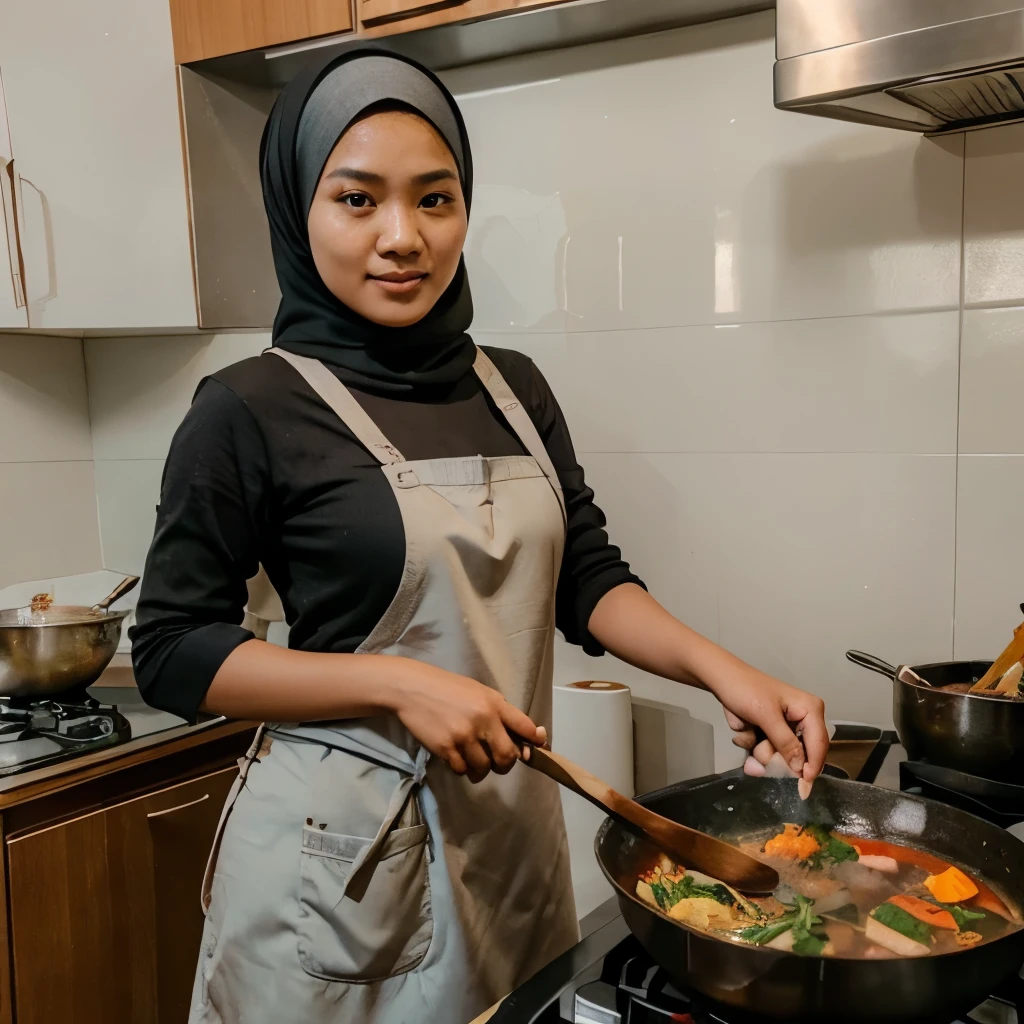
48, 521
44, 405
790, 559
994, 217
129, 492
605, 200
991, 371
141, 388
847, 384
989, 553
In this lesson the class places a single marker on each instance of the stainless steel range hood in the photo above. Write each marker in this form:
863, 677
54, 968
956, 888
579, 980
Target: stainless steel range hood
921, 65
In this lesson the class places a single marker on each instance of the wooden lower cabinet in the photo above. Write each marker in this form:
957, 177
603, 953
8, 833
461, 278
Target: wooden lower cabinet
104, 912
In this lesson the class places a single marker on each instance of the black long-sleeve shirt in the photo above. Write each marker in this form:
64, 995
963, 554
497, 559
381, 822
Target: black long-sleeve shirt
262, 471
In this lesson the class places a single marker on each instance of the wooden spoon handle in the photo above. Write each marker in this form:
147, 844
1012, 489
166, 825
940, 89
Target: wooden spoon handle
1013, 653
591, 788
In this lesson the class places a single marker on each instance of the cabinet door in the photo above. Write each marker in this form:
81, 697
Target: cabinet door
210, 28
13, 312
105, 916
93, 113
375, 12
388, 17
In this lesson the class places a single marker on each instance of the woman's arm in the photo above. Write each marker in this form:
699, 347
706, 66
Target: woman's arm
191, 653
458, 719
631, 624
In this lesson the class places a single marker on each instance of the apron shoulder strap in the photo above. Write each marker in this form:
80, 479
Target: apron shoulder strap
342, 402
518, 419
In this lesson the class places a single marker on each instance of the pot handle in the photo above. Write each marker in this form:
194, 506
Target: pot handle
873, 664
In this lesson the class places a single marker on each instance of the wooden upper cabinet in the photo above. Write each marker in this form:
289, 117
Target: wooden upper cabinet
375, 12
211, 28
388, 17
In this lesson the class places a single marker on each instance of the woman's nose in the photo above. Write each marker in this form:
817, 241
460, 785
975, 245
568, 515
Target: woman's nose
400, 233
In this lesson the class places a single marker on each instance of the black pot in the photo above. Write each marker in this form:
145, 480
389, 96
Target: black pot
757, 983
969, 732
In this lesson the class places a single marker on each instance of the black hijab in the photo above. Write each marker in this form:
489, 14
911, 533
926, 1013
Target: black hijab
313, 111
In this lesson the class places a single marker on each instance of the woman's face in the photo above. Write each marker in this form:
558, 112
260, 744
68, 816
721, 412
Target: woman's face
388, 220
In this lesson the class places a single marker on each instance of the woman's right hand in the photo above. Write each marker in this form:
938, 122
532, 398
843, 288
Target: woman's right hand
461, 721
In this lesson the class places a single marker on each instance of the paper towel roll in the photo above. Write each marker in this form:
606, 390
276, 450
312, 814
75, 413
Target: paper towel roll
592, 724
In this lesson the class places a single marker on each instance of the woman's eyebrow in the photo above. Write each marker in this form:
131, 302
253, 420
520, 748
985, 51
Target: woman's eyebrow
431, 177
367, 177
371, 178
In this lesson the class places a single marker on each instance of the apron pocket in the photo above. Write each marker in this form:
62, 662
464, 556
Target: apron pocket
377, 932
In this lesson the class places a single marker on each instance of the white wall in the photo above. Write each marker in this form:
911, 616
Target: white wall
753, 321
48, 522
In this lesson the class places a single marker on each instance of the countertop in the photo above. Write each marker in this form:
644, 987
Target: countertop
150, 728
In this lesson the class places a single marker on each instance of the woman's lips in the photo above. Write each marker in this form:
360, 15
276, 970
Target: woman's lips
399, 284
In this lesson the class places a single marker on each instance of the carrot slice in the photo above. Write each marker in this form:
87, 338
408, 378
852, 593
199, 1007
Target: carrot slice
986, 898
927, 912
793, 843
951, 886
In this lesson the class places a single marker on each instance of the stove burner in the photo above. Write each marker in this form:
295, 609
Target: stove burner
1001, 803
37, 732
633, 990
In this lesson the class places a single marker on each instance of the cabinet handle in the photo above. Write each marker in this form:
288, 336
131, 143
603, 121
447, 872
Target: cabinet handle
180, 807
14, 241
376, 12
45, 229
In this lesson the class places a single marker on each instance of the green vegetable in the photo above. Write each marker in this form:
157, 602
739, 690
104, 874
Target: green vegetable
687, 889
900, 921
661, 895
833, 851
961, 914
762, 934
809, 945
801, 920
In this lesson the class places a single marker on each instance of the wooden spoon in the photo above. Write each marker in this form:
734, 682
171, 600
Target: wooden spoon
1013, 653
686, 846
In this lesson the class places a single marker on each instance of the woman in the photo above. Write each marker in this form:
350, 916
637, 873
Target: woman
418, 507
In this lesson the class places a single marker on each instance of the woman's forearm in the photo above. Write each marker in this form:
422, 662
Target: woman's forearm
630, 624
259, 681
633, 626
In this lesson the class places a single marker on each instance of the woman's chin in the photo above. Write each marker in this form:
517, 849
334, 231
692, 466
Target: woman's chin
395, 314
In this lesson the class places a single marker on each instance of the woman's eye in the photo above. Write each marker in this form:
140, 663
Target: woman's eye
356, 200
434, 200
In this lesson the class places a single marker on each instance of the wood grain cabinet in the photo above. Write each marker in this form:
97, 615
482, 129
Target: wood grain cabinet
100, 876
211, 28
387, 17
375, 12
105, 921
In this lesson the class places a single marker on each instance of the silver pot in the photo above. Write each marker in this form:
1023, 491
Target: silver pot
65, 647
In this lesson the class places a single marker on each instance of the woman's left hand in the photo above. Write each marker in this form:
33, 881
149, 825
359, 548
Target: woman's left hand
768, 715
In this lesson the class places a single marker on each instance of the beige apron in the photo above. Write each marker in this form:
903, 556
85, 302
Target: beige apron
354, 878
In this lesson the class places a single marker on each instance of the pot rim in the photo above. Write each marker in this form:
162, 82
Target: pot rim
87, 619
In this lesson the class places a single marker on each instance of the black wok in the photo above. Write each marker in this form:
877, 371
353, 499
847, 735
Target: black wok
766, 983
970, 732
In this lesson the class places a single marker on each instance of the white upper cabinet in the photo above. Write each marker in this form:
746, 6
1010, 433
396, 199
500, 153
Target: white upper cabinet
13, 312
99, 183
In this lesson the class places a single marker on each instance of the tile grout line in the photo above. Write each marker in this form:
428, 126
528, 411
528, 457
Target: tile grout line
959, 374
514, 332
92, 445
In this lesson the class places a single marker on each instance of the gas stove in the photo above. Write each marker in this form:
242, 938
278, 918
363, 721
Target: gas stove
39, 732
607, 978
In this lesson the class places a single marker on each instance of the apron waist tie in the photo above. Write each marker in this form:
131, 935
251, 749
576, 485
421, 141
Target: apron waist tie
364, 864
